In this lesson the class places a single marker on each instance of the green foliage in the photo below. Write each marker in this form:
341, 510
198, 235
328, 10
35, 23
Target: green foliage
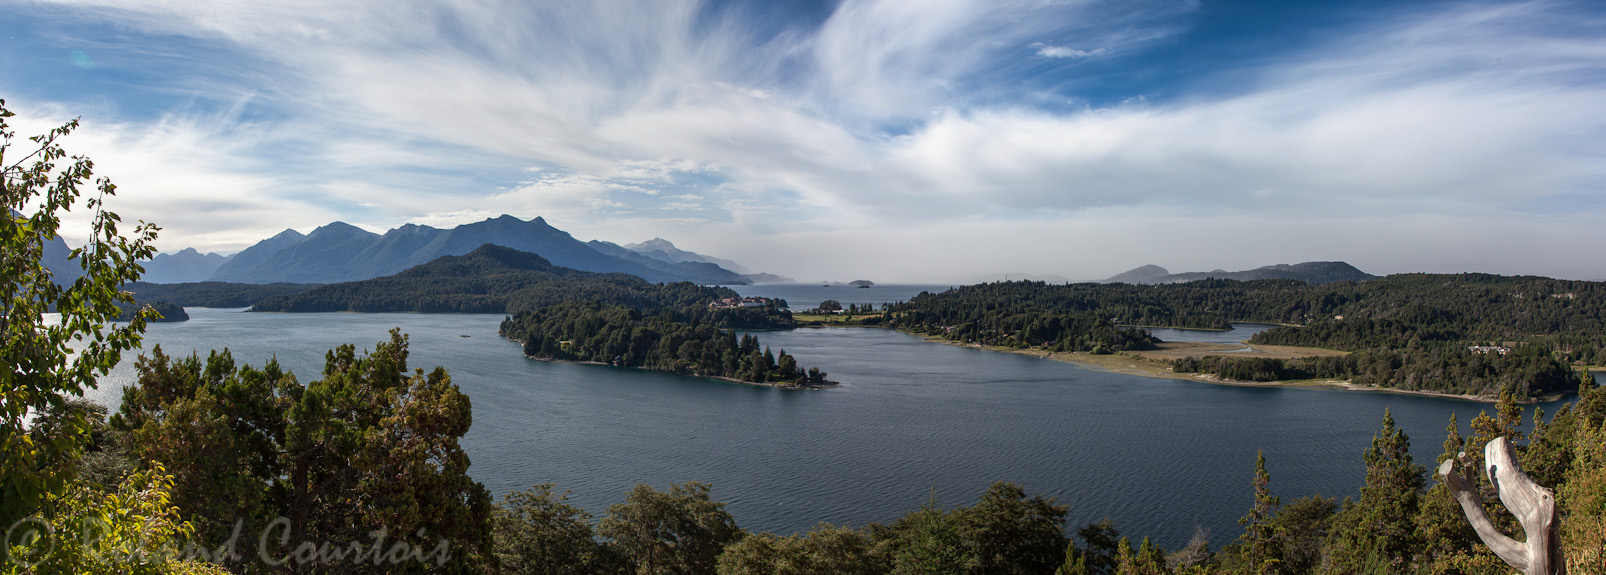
539, 533
1004, 532
1582, 494
692, 340
1148, 559
368, 446
1075, 561
41, 372
1301, 528
1009, 533
826, 550
213, 294
1397, 340
1378, 530
1102, 540
1015, 314
678, 532
131, 530
1260, 550
1444, 368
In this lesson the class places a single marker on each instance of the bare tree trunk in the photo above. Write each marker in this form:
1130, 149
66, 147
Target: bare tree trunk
1534, 507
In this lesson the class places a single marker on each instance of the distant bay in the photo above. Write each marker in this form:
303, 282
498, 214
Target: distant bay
1156, 456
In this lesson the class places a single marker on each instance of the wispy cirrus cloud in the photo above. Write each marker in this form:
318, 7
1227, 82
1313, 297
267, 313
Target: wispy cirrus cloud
1048, 51
708, 123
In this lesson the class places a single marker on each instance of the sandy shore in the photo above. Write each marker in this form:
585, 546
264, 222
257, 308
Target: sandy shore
1156, 363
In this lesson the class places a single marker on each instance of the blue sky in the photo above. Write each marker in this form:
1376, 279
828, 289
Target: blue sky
897, 140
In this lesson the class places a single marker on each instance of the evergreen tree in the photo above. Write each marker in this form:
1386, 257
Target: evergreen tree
1103, 543
1260, 550
1376, 534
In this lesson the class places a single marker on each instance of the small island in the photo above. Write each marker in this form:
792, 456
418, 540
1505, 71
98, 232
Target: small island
861, 283
688, 341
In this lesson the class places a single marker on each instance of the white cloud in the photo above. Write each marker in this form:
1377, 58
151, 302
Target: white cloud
888, 128
1057, 52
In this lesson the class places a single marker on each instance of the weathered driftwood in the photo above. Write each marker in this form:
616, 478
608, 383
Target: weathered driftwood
1534, 507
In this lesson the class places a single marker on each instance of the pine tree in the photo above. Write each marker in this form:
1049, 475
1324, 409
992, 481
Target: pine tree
1376, 534
1260, 550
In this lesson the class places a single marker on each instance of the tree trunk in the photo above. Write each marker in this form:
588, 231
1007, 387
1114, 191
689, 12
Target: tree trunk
1534, 507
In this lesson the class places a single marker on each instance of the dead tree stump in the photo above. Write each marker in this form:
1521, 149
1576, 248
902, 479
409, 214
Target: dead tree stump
1534, 507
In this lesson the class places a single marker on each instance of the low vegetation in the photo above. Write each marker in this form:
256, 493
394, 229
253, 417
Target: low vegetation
1411, 331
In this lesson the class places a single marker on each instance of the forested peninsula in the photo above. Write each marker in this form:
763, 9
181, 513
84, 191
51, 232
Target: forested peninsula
1471, 334
562, 314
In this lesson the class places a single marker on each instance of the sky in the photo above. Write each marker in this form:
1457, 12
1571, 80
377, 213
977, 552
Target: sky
893, 140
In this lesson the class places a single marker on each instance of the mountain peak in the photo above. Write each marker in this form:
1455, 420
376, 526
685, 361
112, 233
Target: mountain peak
653, 244
288, 234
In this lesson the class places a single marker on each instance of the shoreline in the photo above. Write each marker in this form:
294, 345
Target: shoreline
1128, 364
827, 385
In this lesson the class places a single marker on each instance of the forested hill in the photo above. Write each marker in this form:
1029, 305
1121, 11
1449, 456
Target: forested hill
491, 279
212, 294
1309, 272
1410, 331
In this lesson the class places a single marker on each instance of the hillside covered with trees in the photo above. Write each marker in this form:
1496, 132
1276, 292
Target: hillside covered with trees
490, 279
1410, 331
213, 294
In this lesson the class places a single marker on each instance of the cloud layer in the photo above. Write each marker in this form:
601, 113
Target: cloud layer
936, 140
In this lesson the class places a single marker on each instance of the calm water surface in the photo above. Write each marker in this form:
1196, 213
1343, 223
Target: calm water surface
1238, 333
1158, 456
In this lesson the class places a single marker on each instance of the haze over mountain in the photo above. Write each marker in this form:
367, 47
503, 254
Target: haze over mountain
663, 250
185, 266
1314, 273
340, 252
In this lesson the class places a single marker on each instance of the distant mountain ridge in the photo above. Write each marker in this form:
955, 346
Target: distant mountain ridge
340, 252
1314, 273
663, 250
185, 266
489, 279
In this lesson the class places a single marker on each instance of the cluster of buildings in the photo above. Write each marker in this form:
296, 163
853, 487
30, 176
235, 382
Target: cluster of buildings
740, 302
1494, 349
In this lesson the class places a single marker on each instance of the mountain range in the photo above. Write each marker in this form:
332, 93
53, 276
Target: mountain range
185, 266
341, 252
489, 279
1314, 273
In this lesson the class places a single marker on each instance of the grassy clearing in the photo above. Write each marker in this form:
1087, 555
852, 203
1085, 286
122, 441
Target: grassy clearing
1177, 350
834, 320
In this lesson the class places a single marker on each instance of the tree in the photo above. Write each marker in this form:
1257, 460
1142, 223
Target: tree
41, 373
538, 532
679, 532
367, 447
1260, 551
131, 530
1376, 534
1103, 542
766, 554
1010, 534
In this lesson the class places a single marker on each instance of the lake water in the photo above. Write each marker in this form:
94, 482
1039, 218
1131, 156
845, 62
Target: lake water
1238, 333
1157, 456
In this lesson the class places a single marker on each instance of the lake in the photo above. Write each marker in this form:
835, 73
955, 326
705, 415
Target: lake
912, 418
